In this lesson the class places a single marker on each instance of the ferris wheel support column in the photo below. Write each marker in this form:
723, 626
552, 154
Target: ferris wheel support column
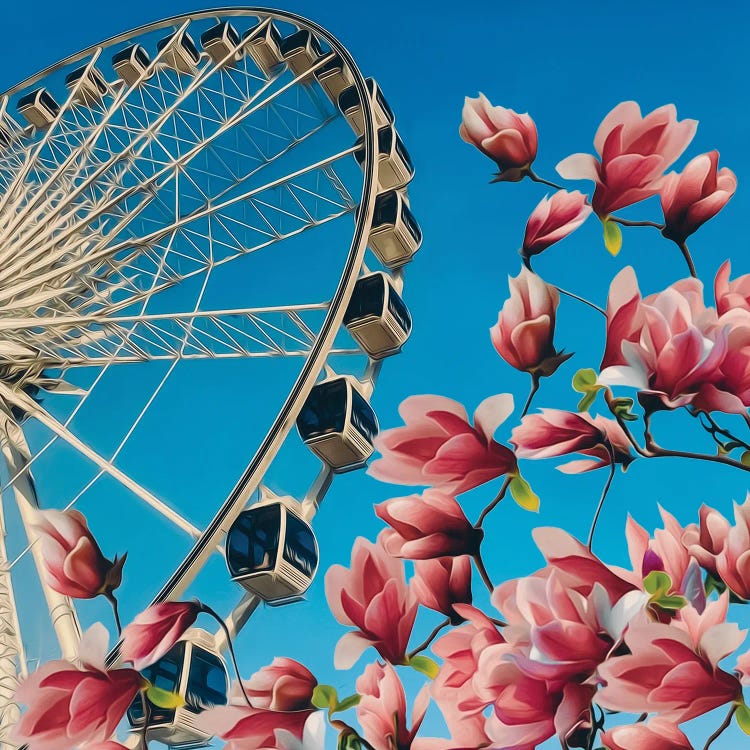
16, 454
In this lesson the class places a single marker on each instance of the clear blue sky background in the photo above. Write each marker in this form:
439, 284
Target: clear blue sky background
566, 64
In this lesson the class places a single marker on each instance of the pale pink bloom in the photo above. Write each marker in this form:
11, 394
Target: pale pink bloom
438, 447
523, 335
440, 584
553, 219
284, 685
108, 745
673, 669
561, 433
247, 728
672, 346
155, 630
73, 563
509, 139
313, 736
634, 153
706, 540
657, 734
382, 710
731, 295
696, 195
71, 705
454, 688
428, 526
373, 597
625, 316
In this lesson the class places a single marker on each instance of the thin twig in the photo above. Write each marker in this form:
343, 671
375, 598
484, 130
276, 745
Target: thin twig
593, 306
110, 597
714, 429
724, 724
607, 485
535, 379
483, 572
688, 258
205, 608
536, 178
430, 638
629, 223
146, 718
500, 495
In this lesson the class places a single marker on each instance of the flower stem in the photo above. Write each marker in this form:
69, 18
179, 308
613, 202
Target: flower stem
593, 306
536, 178
344, 728
534, 388
688, 258
483, 572
146, 718
714, 429
500, 495
110, 597
629, 223
430, 638
724, 724
205, 608
607, 485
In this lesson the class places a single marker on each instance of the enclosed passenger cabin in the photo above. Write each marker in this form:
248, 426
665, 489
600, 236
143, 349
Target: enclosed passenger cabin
351, 107
395, 235
338, 424
131, 63
300, 51
195, 670
220, 43
89, 85
272, 550
39, 108
395, 167
377, 316
264, 47
334, 77
180, 52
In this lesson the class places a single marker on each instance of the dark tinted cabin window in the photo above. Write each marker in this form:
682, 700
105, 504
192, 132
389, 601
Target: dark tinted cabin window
383, 104
299, 545
399, 310
164, 674
220, 31
363, 417
207, 681
134, 53
367, 298
298, 41
184, 41
411, 223
404, 154
253, 541
325, 409
271, 33
386, 209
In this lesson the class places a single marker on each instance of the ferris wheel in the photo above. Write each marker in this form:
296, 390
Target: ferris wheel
203, 226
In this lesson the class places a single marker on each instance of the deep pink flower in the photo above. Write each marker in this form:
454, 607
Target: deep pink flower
382, 709
561, 433
553, 219
442, 583
706, 541
657, 734
284, 685
428, 526
373, 597
73, 563
509, 139
438, 447
155, 630
526, 325
673, 669
70, 705
634, 153
696, 195
731, 295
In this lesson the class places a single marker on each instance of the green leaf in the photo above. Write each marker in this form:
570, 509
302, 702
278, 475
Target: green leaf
742, 714
714, 584
612, 237
425, 665
325, 696
349, 741
347, 703
585, 403
164, 698
522, 493
622, 407
584, 379
657, 583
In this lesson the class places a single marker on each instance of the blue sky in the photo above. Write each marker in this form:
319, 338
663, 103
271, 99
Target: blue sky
566, 64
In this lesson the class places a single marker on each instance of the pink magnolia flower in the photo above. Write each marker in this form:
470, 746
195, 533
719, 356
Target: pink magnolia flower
426, 527
155, 630
71, 705
509, 139
731, 295
696, 195
668, 345
454, 689
382, 709
526, 325
442, 583
674, 669
657, 734
373, 597
73, 563
438, 447
553, 219
634, 153
705, 541
284, 685
108, 745
561, 433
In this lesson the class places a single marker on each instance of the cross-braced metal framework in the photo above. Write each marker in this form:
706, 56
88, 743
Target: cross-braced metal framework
125, 207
